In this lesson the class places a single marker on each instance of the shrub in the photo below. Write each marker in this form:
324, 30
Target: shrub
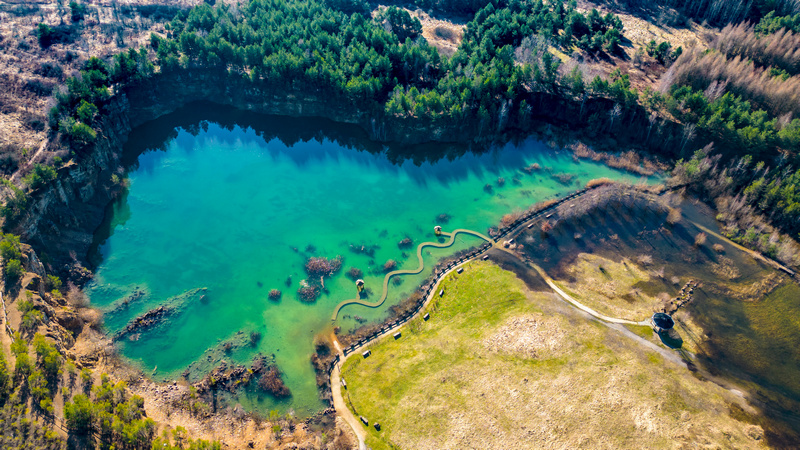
547, 227
40, 176
700, 239
674, 216
599, 182
13, 270
77, 11
9, 247
79, 414
45, 35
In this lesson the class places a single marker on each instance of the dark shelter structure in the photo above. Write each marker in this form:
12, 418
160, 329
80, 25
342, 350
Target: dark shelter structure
663, 322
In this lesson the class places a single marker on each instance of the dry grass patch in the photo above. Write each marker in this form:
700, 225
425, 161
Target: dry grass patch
530, 336
609, 287
588, 386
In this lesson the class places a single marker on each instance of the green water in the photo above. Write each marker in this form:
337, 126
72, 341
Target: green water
238, 212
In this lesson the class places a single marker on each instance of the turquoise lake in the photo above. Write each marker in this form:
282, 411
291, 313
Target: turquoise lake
238, 211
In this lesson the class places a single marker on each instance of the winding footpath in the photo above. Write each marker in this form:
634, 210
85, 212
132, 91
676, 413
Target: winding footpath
337, 386
358, 301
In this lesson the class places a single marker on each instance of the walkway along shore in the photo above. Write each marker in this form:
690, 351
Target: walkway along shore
358, 301
430, 290
343, 353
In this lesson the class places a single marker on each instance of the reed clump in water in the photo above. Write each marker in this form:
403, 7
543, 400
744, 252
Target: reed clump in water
354, 273
318, 266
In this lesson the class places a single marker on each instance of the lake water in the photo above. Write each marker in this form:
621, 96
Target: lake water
238, 210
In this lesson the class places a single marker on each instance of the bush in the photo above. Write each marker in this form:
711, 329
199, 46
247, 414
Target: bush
40, 176
45, 35
82, 133
77, 10
79, 414
9, 247
674, 216
700, 239
13, 270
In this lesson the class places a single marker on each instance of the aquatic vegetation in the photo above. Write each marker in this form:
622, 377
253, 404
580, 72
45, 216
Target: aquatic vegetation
255, 336
442, 219
364, 249
389, 265
319, 266
275, 294
501, 181
531, 168
405, 243
354, 273
270, 381
308, 293
564, 178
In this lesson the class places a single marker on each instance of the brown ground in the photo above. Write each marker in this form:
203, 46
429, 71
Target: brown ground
26, 89
639, 31
168, 404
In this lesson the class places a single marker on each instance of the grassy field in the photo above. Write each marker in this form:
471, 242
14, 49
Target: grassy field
498, 366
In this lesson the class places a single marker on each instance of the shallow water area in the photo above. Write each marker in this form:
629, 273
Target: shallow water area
237, 212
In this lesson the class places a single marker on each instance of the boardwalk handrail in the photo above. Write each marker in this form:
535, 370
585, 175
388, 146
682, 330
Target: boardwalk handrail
440, 274
358, 301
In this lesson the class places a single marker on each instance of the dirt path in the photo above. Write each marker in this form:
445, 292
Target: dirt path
31, 161
583, 307
339, 403
752, 253
340, 406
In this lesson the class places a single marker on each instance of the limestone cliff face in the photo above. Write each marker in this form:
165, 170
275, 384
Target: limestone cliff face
63, 217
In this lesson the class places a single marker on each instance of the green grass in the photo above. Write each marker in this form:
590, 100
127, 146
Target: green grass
642, 331
439, 386
475, 301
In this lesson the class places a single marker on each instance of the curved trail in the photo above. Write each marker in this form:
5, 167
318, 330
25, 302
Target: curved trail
358, 301
583, 307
